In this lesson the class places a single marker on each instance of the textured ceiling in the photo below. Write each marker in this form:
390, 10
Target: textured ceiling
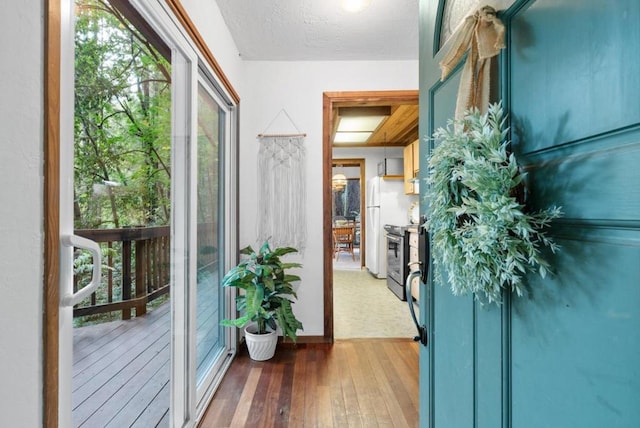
296, 30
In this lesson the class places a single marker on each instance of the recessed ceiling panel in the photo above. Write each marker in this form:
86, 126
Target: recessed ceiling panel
351, 137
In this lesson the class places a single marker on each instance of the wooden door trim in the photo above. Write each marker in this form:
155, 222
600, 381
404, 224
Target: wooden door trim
330, 100
51, 211
198, 41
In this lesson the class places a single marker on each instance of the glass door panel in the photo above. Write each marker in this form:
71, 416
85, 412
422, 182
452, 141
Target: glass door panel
210, 254
122, 201
146, 348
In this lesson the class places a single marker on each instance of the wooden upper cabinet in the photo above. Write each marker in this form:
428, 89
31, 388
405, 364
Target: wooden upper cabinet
408, 169
411, 167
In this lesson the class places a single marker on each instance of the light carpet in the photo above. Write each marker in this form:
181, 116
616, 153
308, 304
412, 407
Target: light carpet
363, 307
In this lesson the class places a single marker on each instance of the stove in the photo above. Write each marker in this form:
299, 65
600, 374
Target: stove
397, 259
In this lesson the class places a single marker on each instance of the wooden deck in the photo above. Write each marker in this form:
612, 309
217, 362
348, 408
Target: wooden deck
121, 369
121, 372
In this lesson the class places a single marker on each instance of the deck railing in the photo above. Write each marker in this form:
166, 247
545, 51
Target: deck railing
143, 273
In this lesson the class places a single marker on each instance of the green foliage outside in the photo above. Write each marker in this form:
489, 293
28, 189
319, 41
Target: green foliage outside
122, 123
122, 132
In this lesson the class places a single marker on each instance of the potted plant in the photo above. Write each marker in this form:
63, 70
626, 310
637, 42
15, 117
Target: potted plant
266, 298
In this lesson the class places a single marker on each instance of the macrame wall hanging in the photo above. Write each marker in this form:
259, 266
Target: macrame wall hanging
281, 188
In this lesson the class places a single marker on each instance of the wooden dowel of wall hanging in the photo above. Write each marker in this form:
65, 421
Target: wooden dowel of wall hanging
281, 135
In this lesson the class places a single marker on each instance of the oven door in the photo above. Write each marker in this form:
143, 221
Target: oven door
394, 258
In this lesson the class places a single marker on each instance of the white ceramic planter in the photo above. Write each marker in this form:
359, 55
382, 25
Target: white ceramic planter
261, 346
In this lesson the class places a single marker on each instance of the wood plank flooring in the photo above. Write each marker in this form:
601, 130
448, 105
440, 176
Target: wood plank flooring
352, 383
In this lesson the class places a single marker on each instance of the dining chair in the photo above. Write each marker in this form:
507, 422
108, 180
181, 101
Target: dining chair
343, 240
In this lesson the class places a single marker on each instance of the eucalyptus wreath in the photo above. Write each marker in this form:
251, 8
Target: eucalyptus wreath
482, 236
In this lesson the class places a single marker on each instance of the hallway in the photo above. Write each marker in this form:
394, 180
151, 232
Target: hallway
368, 377
353, 383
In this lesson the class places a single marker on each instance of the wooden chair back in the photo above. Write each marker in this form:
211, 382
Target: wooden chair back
343, 239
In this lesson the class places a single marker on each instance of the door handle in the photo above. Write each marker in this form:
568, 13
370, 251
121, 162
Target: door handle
72, 299
422, 336
423, 249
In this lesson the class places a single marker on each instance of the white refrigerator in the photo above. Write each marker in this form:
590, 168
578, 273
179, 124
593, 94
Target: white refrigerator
386, 203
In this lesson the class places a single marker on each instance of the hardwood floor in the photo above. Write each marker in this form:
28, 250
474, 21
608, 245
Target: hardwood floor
352, 383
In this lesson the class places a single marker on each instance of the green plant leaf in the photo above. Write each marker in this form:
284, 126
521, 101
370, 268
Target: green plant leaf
484, 240
265, 248
284, 250
267, 288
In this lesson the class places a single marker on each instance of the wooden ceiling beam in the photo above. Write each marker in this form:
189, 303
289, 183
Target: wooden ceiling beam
400, 129
403, 122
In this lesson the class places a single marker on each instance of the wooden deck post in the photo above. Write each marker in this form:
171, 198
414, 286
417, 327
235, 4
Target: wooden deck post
141, 277
126, 277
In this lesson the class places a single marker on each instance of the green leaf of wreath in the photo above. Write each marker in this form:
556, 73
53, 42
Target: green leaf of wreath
482, 240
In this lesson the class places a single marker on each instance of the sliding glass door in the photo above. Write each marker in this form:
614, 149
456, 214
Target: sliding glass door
213, 136
146, 218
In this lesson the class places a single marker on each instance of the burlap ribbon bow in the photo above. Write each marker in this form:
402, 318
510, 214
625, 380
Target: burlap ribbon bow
483, 34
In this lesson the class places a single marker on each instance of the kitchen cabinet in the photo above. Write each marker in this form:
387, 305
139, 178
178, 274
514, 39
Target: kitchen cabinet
408, 169
411, 167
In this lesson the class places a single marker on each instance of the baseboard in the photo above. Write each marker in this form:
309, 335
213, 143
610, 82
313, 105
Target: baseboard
305, 339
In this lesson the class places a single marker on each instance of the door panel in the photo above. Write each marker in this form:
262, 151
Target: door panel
453, 348
575, 341
465, 336
490, 335
121, 199
443, 104
600, 169
451, 342
210, 300
566, 355
577, 62
583, 130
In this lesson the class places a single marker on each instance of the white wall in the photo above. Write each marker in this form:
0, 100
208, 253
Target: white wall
208, 20
372, 156
297, 87
21, 219
266, 88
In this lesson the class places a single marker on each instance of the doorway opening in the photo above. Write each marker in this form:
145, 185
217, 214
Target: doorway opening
390, 134
347, 213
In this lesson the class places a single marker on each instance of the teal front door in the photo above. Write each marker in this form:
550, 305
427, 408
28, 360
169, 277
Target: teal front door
568, 354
